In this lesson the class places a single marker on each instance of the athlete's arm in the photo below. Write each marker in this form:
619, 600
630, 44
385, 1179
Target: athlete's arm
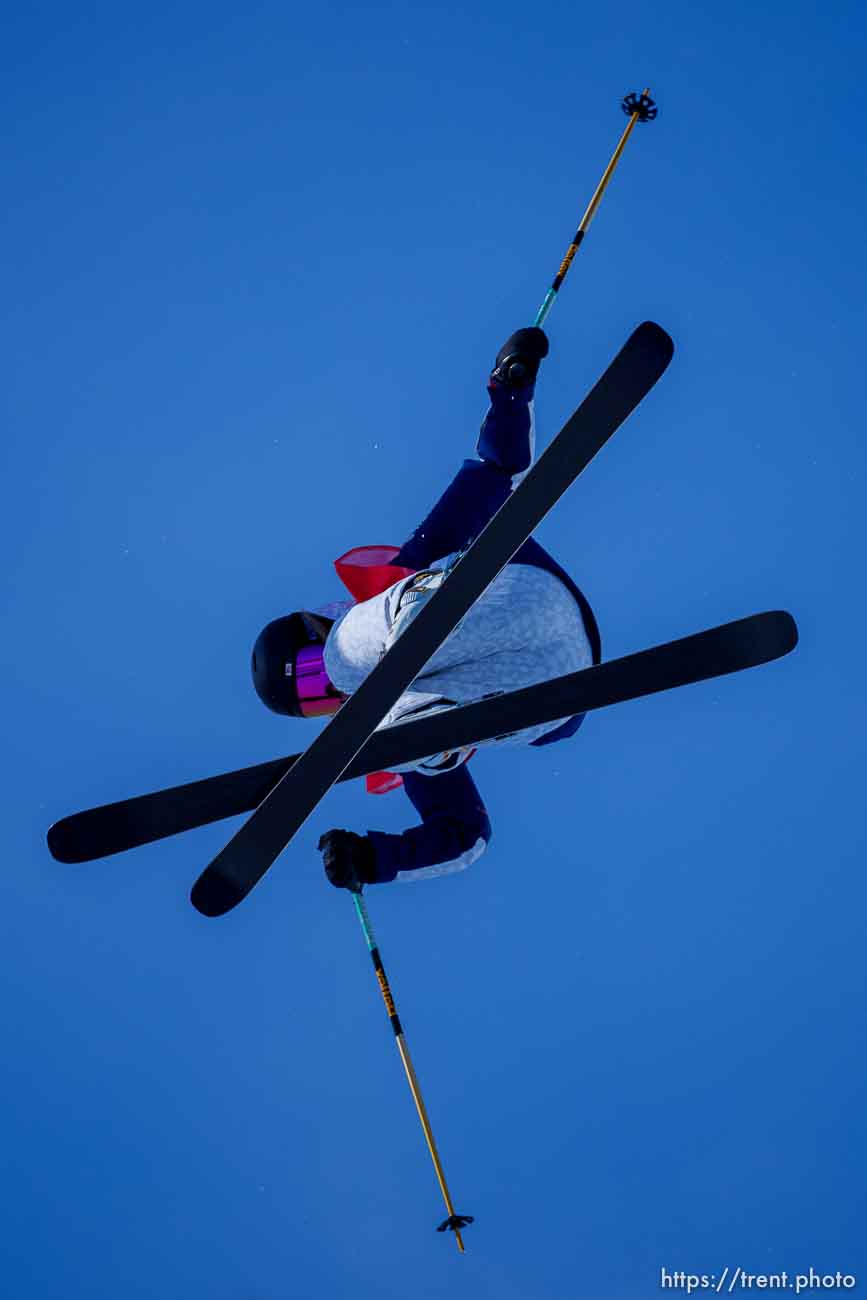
454, 833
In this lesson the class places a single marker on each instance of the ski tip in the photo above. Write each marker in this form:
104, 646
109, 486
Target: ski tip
767, 636
655, 339
61, 843
786, 628
214, 895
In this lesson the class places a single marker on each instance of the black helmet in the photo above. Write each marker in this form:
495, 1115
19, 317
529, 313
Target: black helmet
288, 669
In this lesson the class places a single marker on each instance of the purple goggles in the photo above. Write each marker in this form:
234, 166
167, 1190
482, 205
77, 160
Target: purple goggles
317, 697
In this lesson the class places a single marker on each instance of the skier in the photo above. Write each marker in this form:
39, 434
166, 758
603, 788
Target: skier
532, 624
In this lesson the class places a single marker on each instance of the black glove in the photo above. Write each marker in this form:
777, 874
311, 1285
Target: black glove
350, 859
518, 359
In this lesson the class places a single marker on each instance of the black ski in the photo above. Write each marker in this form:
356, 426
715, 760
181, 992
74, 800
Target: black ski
129, 823
252, 850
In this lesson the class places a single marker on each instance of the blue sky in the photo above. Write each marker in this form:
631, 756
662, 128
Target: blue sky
258, 263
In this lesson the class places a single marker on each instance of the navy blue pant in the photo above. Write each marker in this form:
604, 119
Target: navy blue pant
480, 486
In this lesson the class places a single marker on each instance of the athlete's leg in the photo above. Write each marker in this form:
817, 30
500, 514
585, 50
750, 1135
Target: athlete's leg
507, 437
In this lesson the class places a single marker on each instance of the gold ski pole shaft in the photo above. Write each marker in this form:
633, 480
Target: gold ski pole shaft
425, 1122
454, 1222
640, 108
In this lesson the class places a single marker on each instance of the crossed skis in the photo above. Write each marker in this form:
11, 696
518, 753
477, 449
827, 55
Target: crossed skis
284, 792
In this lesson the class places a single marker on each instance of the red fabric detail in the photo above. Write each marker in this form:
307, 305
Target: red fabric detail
366, 571
382, 782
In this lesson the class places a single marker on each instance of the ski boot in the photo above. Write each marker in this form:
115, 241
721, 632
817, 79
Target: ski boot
518, 359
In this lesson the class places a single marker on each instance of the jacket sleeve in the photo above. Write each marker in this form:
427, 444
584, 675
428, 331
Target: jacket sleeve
454, 833
473, 497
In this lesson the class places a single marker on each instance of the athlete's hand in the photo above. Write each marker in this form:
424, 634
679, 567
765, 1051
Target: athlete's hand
350, 859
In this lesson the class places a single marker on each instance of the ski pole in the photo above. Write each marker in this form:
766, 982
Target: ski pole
639, 108
454, 1222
